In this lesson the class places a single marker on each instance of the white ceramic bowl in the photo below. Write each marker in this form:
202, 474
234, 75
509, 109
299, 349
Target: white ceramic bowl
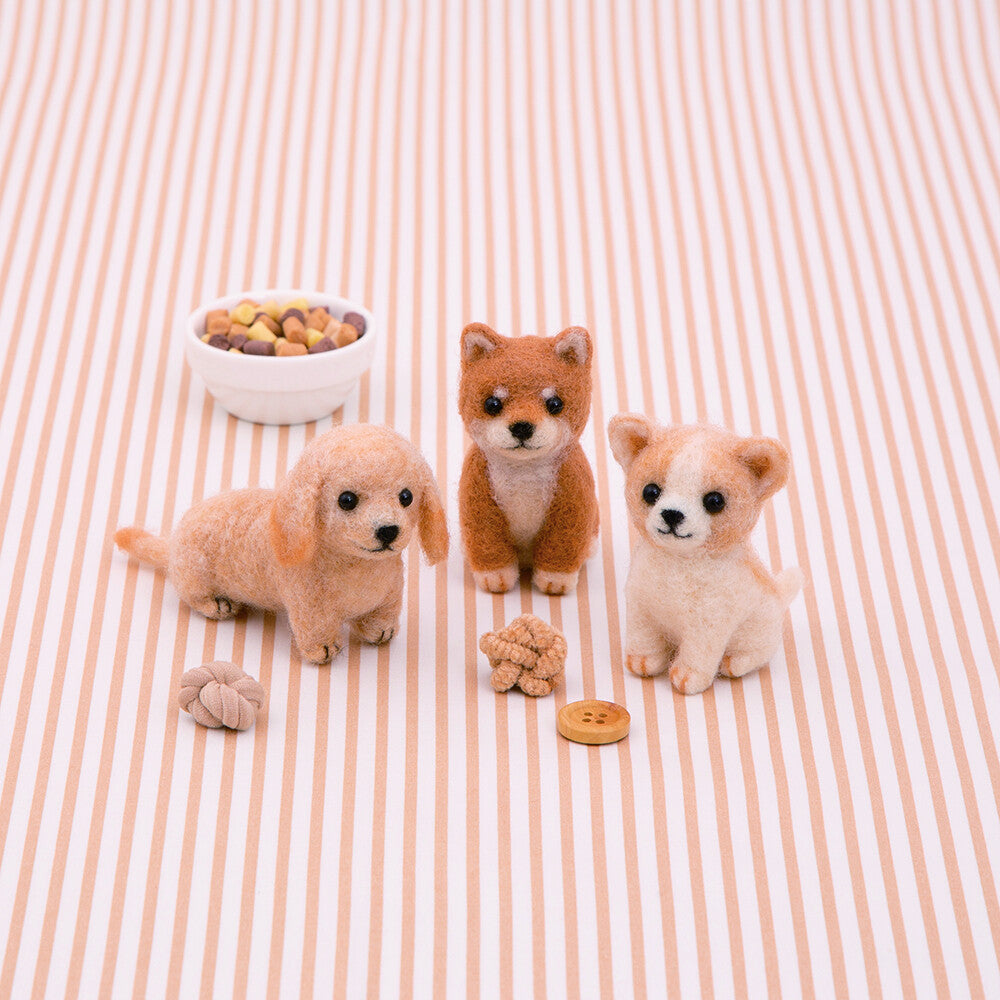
270, 390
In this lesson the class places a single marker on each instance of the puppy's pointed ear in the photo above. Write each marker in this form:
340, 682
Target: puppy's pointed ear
432, 525
573, 346
629, 433
478, 340
768, 460
294, 512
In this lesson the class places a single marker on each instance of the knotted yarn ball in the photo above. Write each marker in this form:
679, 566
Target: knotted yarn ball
219, 694
529, 652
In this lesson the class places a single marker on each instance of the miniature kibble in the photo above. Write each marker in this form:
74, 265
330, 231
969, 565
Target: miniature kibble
294, 330
317, 319
357, 321
218, 324
260, 332
285, 330
291, 312
346, 334
258, 347
243, 313
271, 324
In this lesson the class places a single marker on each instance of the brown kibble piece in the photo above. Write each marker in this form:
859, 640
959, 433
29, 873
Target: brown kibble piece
294, 330
237, 340
593, 722
261, 347
286, 349
289, 313
326, 344
219, 340
346, 334
357, 321
317, 319
218, 324
272, 325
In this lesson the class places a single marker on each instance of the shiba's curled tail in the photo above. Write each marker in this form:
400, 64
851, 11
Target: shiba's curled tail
789, 583
143, 545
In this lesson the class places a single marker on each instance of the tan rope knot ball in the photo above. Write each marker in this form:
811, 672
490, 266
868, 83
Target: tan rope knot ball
528, 652
219, 694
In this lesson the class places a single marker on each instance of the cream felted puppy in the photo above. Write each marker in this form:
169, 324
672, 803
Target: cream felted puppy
698, 598
325, 546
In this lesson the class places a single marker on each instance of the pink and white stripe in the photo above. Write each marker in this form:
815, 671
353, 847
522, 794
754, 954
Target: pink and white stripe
782, 217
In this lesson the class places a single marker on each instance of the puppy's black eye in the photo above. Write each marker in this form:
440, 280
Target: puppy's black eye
651, 493
493, 405
347, 500
713, 502
405, 497
554, 405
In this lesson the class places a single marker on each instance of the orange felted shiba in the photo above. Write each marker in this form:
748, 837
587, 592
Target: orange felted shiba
526, 496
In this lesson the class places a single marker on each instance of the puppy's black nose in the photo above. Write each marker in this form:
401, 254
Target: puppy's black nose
387, 533
522, 430
672, 517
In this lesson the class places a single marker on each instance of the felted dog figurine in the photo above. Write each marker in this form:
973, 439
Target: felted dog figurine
526, 495
325, 546
698, 598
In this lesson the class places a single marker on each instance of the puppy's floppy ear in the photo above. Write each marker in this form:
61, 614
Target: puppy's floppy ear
573, 346
629, 433
294, 512
478, 340
768, 460
431, 522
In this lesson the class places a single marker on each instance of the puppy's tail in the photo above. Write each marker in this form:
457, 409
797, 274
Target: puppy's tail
789, 583
144, 545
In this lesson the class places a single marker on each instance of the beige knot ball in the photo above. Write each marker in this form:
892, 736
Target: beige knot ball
219, 694
529, 652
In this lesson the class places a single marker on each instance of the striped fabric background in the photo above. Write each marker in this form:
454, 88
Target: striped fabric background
783, 217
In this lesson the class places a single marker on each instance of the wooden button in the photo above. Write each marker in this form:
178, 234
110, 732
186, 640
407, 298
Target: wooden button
593, 721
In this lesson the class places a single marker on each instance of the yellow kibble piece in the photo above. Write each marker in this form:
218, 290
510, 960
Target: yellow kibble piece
204, 337
272, 308
302, 304
260, 332
313, 337
244, 313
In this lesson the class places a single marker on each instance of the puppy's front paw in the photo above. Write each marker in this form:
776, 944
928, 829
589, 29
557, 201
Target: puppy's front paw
689, 680
321, 654
552, 583
646, 665
739, 666
497, 581
376, 632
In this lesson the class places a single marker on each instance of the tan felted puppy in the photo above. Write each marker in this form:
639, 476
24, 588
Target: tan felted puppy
325, 546
698, 598
526, 496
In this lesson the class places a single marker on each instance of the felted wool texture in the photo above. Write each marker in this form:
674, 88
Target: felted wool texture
295, 549
528, 653
698, 598
532, 506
